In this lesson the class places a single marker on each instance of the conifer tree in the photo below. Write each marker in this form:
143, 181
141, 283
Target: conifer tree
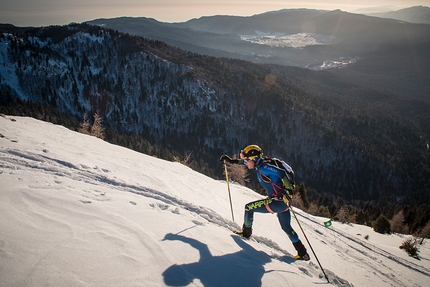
382, 225
303, 195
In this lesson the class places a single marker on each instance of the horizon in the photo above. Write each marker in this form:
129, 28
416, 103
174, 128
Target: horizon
48, 12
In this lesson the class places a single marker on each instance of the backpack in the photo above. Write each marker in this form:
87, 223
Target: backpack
288, 181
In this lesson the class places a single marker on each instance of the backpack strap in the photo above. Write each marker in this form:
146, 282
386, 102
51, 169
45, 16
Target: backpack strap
288, 180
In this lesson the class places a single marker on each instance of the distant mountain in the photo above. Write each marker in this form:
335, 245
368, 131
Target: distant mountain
229, 36
288, 21
376, 9
384, 54
417, 14
226, 36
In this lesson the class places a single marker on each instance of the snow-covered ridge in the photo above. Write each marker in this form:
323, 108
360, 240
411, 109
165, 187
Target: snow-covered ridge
79, 211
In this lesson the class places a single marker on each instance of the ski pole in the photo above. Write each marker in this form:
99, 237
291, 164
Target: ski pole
322, 269
228, 187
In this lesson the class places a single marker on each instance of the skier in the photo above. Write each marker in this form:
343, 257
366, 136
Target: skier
278, 185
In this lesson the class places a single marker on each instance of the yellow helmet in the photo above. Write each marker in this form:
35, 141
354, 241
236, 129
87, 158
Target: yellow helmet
251, 152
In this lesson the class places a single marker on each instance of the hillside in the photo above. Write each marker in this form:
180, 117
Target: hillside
388, 56
205, 106
77, 211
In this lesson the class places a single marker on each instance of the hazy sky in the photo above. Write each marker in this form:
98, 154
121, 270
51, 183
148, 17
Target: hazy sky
59, 12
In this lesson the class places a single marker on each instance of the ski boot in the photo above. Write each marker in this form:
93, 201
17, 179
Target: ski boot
245, 232
302, 254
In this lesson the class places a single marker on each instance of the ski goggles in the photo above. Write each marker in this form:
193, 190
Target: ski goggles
245, 160
243, 156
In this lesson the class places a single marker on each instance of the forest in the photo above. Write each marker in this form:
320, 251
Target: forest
353, 161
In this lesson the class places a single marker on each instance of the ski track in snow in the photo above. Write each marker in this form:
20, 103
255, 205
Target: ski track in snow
362, 247
13, 159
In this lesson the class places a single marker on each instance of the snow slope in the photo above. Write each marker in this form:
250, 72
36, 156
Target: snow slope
77, 211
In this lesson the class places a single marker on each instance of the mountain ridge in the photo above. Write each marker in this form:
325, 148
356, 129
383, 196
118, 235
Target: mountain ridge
415, 14
383, 45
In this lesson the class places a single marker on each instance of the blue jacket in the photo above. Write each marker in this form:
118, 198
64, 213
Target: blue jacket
270, 177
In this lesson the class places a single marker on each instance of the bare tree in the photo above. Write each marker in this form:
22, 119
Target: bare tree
352, 218
342, 214
398, 223
185, 161
238, 172
85, 126
425, 232
298, 202
97, 130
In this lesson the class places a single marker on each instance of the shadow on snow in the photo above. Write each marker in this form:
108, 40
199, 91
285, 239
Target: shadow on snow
243, 268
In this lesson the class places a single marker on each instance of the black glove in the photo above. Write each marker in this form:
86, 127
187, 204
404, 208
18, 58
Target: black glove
225, 157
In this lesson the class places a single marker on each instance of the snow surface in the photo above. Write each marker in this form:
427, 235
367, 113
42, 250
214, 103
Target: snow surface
77, 211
